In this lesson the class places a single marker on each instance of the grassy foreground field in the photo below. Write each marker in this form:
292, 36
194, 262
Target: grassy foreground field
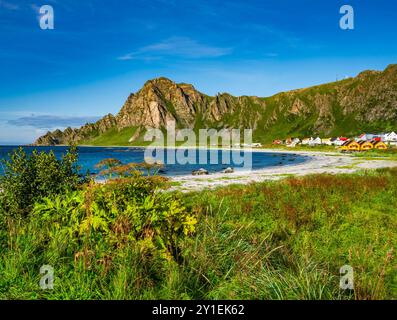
273, 240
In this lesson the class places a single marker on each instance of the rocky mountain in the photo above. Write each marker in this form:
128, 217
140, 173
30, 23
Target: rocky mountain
367, 102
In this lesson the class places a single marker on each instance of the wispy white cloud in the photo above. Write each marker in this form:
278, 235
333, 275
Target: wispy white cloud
50, 121
182, 47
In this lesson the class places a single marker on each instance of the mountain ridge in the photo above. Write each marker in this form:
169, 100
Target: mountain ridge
365, 102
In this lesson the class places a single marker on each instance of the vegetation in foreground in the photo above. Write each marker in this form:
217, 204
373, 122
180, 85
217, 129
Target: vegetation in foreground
130, 239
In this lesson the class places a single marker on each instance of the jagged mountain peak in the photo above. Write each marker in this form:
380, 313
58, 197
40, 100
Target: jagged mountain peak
368, 73
166, 86
391, 68
366, 102
160, 81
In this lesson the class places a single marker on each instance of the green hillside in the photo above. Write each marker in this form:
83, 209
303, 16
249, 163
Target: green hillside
367, 102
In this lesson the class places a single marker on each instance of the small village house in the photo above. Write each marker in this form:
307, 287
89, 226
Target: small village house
351, 145
340, 141
334, 141
380, 145
277, 142
390, 138
315, 142
294, 142
311, 141
365, 145
326, 141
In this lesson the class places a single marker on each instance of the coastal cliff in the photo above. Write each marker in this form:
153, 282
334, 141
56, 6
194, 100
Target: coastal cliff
367, 102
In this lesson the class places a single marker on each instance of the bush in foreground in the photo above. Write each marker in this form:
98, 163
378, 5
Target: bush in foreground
28, 178
104, 240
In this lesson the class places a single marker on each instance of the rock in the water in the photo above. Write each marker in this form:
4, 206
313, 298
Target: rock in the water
228, 170
200, 172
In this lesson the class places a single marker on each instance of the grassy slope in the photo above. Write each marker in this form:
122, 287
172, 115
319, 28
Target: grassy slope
275, 119
276, 122
112, 137
273, 240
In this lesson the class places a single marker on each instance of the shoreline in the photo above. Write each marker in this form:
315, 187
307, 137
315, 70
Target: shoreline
319, 162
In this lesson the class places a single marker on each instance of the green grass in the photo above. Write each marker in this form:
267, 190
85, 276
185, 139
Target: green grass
113, 137
273, 240
175, 184
390, 154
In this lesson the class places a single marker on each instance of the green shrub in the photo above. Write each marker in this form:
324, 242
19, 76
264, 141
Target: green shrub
28, 178
112, 215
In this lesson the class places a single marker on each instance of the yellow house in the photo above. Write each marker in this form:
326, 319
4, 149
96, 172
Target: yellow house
366, 145
351, 145
379, 145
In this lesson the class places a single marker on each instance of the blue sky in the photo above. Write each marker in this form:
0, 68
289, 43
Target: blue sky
100, 51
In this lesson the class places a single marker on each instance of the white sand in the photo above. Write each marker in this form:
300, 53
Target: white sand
319, 162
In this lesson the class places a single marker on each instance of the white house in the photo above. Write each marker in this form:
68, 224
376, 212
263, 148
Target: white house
294, 142
339, 141
390, 138
311, 141
315, 142
326, 141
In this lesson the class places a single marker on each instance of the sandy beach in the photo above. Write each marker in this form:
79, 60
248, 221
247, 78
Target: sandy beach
318, 162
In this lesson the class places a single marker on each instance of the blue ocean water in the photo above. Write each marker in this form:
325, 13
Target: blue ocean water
90, 156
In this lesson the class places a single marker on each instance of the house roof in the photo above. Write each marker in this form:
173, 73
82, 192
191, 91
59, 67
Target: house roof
349, 142
376, 142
